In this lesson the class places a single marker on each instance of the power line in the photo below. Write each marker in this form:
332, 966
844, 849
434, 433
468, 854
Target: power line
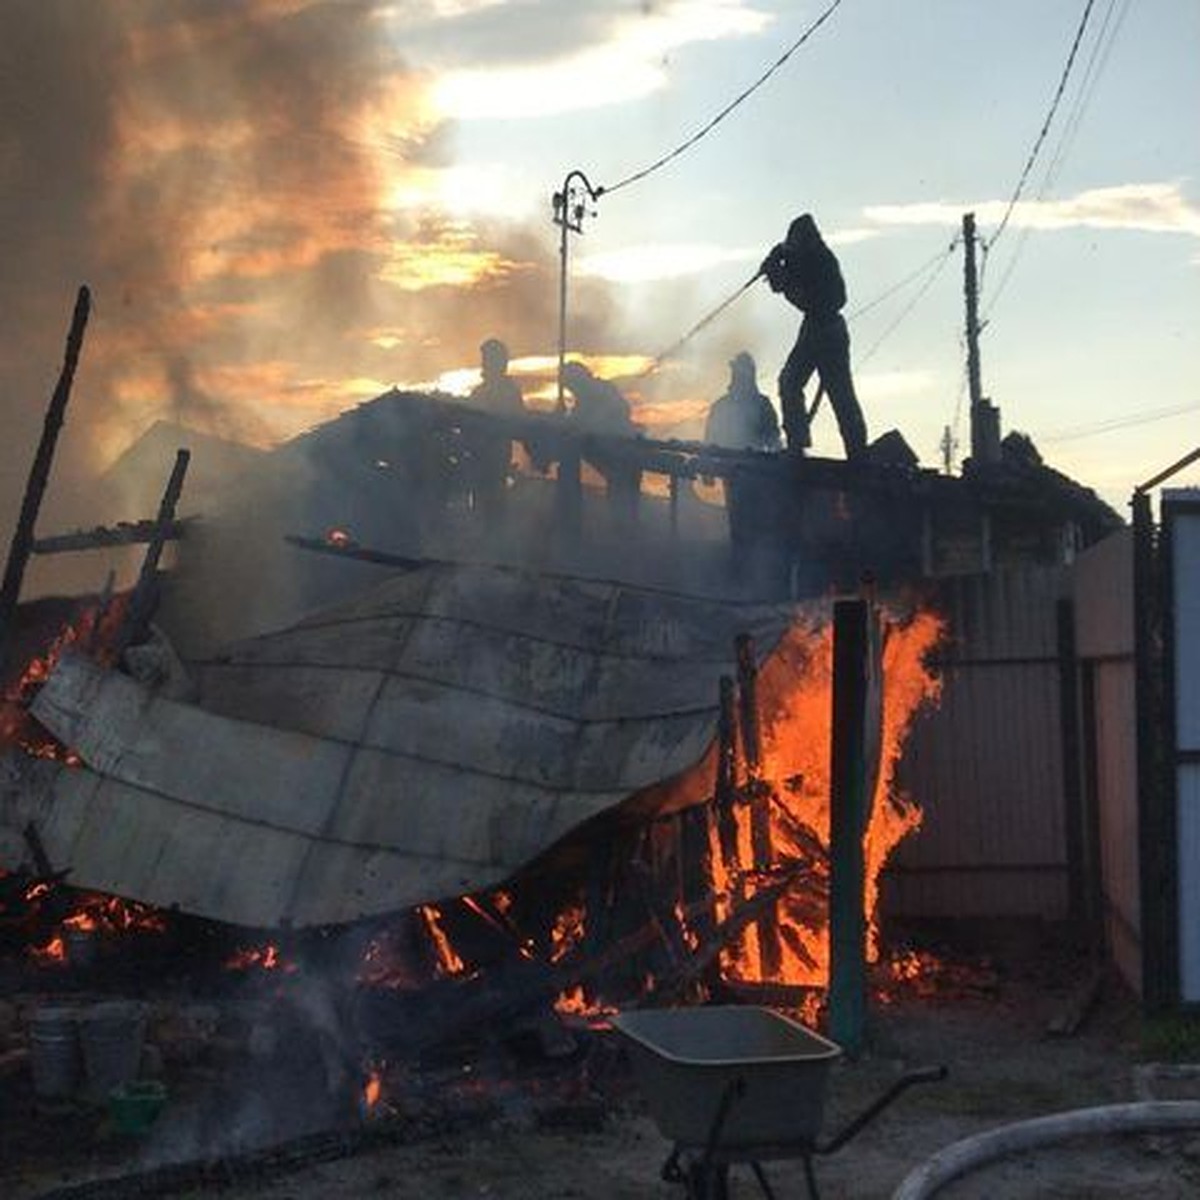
1097, 61
1041, 137
908, 308
1115, 423
744, 95
929, 264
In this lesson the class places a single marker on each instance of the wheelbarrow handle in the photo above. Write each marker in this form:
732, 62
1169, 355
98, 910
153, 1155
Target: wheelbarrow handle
922, 1075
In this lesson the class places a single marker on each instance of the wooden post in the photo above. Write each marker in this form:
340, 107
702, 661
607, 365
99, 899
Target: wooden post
39, 474
696, 870
852, 776
770, 956
144, 599
971, 295
674, 483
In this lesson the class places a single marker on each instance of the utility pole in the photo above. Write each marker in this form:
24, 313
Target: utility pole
948, 445
570, 207
985, 417
971, 290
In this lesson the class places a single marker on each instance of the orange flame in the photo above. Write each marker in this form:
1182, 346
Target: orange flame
106, 916
448, 962
95, 626
796, 717
373, 1088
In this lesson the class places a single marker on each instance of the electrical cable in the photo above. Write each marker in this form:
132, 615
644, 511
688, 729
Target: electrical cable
737, 100
1115, 423
929, 264
1097, 60
908, 308
1041, 137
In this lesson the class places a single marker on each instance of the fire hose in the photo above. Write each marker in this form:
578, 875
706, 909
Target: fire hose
972, 1153
707, 320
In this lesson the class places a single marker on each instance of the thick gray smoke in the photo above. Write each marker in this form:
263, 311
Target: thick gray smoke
218, 172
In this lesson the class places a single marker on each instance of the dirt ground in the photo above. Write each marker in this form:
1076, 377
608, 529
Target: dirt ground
989, 1022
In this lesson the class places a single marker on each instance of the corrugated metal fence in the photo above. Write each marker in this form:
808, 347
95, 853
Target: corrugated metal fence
987, 765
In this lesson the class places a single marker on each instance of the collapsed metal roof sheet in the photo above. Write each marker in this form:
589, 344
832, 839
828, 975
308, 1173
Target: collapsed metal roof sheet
425, 740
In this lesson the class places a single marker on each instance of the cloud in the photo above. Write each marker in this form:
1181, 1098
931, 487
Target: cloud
1146, 207
625, 57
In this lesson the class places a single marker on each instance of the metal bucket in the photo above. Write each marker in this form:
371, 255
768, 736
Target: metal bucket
112, 1034
82, 946
54, 1056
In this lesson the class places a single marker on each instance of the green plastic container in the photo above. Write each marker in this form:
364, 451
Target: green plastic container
135, 1106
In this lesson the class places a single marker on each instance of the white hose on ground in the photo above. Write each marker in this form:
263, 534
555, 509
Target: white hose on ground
960, 1158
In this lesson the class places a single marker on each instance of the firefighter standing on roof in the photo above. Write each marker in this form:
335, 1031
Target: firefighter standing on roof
806, 271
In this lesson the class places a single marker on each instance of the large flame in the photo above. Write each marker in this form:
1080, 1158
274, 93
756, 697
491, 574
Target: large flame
794, 692
795, 699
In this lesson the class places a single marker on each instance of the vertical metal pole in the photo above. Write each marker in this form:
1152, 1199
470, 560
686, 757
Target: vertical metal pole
39, 473
562, 295
568, 216
849, 805
1156, 825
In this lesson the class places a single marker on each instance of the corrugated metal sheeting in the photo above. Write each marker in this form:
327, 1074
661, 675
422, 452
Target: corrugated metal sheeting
424, 741
1104, 634
986, 765
1104, 630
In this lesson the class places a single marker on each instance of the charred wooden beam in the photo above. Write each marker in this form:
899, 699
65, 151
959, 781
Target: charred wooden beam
144, 599
758, 794
124, 533
725, 786
352, 550
696, 868
39, 473
743, 913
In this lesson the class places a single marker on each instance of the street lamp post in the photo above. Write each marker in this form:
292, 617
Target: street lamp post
570, 207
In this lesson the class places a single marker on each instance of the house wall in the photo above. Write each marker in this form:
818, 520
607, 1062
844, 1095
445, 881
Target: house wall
986, 766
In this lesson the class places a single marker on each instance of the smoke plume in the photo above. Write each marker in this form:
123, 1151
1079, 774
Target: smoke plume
235, 182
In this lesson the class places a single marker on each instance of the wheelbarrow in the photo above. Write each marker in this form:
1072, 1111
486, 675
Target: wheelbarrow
733, 1084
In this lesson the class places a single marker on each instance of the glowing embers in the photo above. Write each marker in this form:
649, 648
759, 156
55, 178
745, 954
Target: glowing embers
95, 922
266, 957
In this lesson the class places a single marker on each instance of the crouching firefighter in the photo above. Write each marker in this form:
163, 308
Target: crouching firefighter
806, 271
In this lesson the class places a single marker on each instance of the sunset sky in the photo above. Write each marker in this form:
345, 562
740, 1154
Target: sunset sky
287, 206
